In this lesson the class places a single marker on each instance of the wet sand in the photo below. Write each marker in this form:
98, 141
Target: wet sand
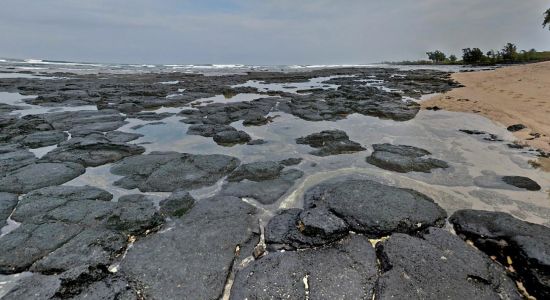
508, 96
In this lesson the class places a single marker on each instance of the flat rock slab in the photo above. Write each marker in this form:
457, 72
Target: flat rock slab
192, 258
522, 182
42, 138
39, 175
13, 157
177, 204
501, 235
438, 266
492, 180
264, 181
330, 142
403, 159
79, 283
92, 151
65, 227
345, 270
295, 228
8, 202
376, 209
169, 171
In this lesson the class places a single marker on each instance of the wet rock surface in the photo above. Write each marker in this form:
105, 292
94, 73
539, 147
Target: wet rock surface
522, 245
330, 142
41, 138
376, 209
39, 175
493, 180
295, 228
344, 270
403, 159
265, 182
177, 204
435, 264
521, 182
8, 202
93, 150
65, 227
168, 171
194, 256
204, 239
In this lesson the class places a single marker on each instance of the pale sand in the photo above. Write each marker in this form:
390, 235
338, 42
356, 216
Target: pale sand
509, 95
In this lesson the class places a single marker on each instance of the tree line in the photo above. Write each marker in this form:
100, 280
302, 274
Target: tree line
509, 54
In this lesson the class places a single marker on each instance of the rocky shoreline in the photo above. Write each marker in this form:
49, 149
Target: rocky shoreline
238, 237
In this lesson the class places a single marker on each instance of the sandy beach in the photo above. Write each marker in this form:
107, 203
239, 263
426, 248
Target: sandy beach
508, 96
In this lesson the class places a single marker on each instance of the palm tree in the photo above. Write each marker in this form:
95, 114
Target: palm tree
546, 19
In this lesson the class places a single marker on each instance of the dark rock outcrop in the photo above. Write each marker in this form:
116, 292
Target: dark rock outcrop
39, 175
169, 171
7, 204
330, 142
376, 209
41, 138
231, 137
522, 182
523, 245
516, 127
438, 265
344, 270
295, 228
403, 159
92, 150
194, 257
264, 181
177, 204
66, 227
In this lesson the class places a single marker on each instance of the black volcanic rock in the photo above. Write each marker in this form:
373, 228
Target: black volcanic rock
330, 142
39, 175
522, 182
295, 228
264, 181
92, 150
525, 245
8, 202
403, 159
65, 227
344, 270
438, 265
516, 127
41, 138
193, 259
177, 204
231, 137
169, 171
13, 157
376, 209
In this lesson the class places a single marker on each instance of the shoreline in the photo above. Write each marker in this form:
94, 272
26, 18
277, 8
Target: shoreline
507, 96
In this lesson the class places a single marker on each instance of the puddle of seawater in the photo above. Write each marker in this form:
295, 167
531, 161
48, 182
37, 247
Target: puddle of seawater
16, 99
291, 87
437, 132
241, 97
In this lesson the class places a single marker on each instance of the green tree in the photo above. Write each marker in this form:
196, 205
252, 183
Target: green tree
436, 56
509, 52
452, 58
546, 19
472, 56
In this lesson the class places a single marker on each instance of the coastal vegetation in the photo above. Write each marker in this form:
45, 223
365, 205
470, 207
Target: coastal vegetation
509, 54
546, 21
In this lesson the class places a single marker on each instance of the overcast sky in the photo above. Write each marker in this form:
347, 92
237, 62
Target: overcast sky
263, 31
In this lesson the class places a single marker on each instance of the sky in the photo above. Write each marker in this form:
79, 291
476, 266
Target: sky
267, 32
